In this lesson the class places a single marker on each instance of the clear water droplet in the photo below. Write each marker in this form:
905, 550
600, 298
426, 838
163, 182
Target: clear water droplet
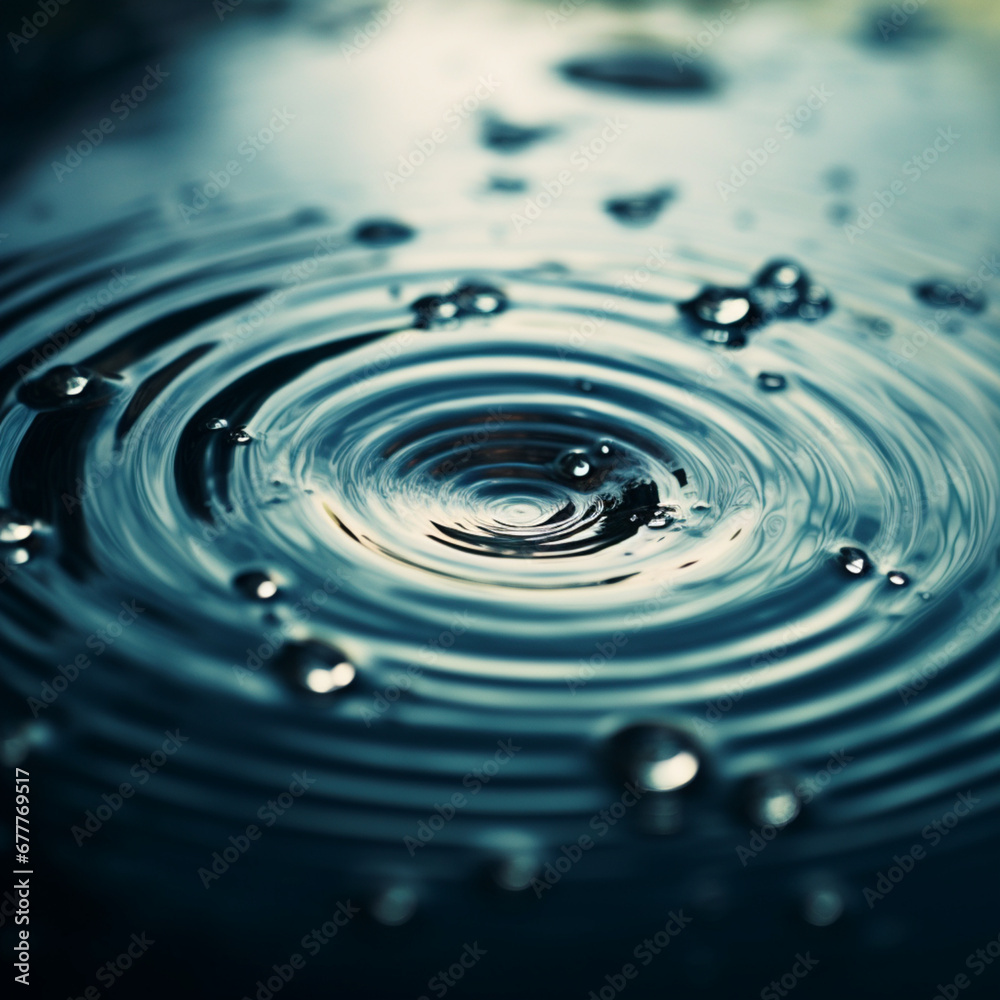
574, 464
657, 757
64, 385
662, 517
639, 209
240, 436
771, 800
319, 668
433, 310
256, 584
722, 315
505, 137
216, 424
898, 579
854, 561
940, 294
771, 382
14, 528
382, 233
479, 300
394, 906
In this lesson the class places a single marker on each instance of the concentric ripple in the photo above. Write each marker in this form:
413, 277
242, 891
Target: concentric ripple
382, 535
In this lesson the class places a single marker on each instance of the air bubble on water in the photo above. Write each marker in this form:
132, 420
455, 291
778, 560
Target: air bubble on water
574, 464
639, 209
256, 584
515, 871
394, 906
505, 137
771, 800
240, 436
63, 385
639, 71
770, 382
14, 527
783, 289
822, 907
479, 300
854, 562
382, 233
940, 294
433, 310
898, 579
662, 517
319, 668
657, 757
216, 424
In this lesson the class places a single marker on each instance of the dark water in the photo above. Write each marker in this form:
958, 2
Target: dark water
616, 509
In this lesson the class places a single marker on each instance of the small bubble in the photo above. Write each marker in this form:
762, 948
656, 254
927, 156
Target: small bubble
216, 424
657, 757
771, 800
898, 579
724, 315
382, 233
319, 668
639, 209
240, 436
14, 528
395, 906
574, 464
822, 907
770, 382
505, 137
256, 584
939, 294
662, 517
433, 310
64, 385
854, 561
479, 300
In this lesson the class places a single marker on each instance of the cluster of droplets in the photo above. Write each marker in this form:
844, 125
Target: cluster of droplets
856, 562
782, 290
468, 300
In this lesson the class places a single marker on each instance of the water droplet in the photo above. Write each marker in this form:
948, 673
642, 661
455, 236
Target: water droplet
505, 137
854, 561
64, 385
662, 517
640, 70
771, 800
240, 436
939, 294
13, 527
216, 424
822, 907
317, 667
723, 315
395, 906
479, 300
382, 233
574, 464
898, 579
515, 872
770, 382
508, 184
657, 757
639, 209
433, 310
815, 303
783, 289
256, 584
